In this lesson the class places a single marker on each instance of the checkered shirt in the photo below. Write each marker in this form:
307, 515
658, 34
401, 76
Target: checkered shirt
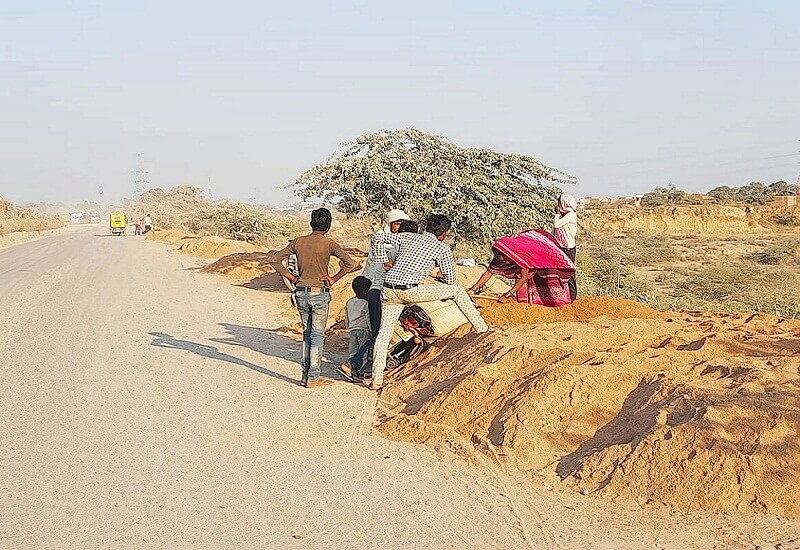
417, 256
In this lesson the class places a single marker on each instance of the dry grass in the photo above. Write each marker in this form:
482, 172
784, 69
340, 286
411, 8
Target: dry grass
732, 273
21, 219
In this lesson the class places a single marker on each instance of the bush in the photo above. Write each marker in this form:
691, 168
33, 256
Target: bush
186, 208
790, 221
779, 253
720, 283
606, 277
13, 220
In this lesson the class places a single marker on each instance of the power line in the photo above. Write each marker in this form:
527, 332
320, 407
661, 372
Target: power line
140, 179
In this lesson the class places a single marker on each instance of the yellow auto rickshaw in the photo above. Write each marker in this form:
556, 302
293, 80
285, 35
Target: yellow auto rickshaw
117, 223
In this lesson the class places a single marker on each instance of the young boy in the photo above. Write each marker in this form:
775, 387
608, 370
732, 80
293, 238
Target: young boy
356, 315
313, 288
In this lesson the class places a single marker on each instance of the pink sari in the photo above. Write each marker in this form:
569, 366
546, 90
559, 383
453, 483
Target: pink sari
549, 267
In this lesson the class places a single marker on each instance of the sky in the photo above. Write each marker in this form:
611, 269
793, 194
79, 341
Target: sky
625, 95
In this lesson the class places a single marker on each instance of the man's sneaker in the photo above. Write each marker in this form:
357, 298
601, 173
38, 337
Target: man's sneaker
319, 382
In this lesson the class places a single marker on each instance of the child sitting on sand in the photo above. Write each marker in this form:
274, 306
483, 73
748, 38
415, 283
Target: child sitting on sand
356, 316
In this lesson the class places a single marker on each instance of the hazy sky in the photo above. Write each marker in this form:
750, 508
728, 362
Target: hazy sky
626, 95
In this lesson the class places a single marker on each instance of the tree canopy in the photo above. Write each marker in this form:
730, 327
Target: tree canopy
667, 196
754, 193
485, 193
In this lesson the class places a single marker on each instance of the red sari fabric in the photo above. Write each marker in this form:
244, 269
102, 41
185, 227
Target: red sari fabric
549, 267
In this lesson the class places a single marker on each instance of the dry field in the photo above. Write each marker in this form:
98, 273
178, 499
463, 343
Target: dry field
727, 273
18, 220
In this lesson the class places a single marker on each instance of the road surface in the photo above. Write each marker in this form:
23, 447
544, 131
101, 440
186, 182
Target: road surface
147, 405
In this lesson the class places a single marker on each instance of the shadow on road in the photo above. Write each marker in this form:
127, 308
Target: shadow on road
274, 344
164, 340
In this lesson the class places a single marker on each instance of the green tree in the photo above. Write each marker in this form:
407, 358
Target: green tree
755, 193
484, 192
723, 193
671, 195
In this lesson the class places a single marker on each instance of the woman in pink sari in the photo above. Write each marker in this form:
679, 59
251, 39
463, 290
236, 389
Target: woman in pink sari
541, 269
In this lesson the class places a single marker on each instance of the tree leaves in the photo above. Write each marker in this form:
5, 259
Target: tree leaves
485, 193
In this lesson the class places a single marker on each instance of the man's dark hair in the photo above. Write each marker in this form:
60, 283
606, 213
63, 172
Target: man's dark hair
361, 284
321, 219
438, 224
408, 226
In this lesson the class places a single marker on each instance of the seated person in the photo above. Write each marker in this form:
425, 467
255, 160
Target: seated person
540, 268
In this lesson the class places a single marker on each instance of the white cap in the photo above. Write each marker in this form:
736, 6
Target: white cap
396, 215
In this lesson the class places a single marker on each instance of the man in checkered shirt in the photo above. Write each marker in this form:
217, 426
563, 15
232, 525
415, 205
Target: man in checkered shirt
417, 256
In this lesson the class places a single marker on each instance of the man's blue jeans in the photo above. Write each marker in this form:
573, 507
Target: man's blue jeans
313, 308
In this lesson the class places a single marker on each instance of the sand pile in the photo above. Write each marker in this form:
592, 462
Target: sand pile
169, 236
215, 247
241, 265
700, 412
581, 309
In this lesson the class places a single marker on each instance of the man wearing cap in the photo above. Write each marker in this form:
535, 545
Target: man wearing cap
376, 273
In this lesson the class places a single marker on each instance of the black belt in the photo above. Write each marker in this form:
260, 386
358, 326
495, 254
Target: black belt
399, 287
312, 289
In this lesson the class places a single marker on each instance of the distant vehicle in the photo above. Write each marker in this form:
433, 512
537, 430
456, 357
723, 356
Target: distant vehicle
117, 223
76, 217
94, 217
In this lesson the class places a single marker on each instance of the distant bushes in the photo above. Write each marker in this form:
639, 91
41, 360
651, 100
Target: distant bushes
754, 192
187, 208
661, 196
777, 254
13, 220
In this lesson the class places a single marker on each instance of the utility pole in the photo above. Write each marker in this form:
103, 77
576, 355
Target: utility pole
140, 181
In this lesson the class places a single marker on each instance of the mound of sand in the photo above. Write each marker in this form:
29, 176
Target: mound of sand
169, 236
215, 247
242, 265
700, 412
581, 309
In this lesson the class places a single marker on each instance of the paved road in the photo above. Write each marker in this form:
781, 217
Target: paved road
144, 405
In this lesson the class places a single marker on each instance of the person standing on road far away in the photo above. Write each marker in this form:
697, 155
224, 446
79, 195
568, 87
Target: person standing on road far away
356, 316
148, 223
565, 230
138, 226
313, 288
417, 255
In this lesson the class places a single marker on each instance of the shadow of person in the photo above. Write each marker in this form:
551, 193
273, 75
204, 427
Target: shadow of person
273, 344
164, 340
269, 281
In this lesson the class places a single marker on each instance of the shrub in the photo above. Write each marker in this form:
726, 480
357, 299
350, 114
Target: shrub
778, 253
606, 277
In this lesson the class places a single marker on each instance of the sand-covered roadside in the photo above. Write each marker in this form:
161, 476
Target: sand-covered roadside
19, 237
698, 411
692, 411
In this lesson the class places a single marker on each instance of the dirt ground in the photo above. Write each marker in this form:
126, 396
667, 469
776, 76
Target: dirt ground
593, 518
